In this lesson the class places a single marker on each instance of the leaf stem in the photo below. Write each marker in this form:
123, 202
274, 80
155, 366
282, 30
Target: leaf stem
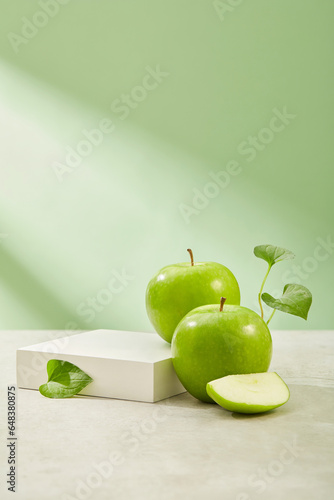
261, 289
270, 318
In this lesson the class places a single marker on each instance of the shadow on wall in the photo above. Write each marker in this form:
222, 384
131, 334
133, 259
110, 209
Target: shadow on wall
38, 298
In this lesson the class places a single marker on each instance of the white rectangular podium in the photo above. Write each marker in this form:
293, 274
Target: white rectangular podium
124, 365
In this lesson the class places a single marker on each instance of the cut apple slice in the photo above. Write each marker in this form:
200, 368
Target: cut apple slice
251, 393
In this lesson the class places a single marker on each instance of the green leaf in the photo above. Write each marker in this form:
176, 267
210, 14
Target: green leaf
64, 380
296, 299
272, 254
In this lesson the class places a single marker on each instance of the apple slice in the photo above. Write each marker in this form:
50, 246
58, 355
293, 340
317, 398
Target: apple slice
251, 393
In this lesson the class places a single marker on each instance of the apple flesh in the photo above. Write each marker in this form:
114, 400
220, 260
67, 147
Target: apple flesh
177, 289
210, 343
252, 393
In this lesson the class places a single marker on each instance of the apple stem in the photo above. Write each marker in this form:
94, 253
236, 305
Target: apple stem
222, 302
191, 256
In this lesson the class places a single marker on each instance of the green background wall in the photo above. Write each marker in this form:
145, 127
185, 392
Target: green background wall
227, 66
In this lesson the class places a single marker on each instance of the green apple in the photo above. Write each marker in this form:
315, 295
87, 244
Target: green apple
253, 393
213, 341
177, 289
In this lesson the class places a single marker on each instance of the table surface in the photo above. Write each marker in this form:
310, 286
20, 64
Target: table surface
178, 448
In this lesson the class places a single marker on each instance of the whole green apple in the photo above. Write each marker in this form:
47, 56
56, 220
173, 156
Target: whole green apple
213, 341
177, 289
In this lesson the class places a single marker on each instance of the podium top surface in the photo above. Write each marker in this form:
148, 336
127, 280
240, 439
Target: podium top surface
113, 344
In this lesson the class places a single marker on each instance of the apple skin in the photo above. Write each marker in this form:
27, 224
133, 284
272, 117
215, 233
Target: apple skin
209, 344
177, 289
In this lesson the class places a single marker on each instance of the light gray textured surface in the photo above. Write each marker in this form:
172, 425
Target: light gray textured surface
179, 448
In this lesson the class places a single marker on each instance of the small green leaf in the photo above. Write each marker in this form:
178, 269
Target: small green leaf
272, 254
64, 380
296, 299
